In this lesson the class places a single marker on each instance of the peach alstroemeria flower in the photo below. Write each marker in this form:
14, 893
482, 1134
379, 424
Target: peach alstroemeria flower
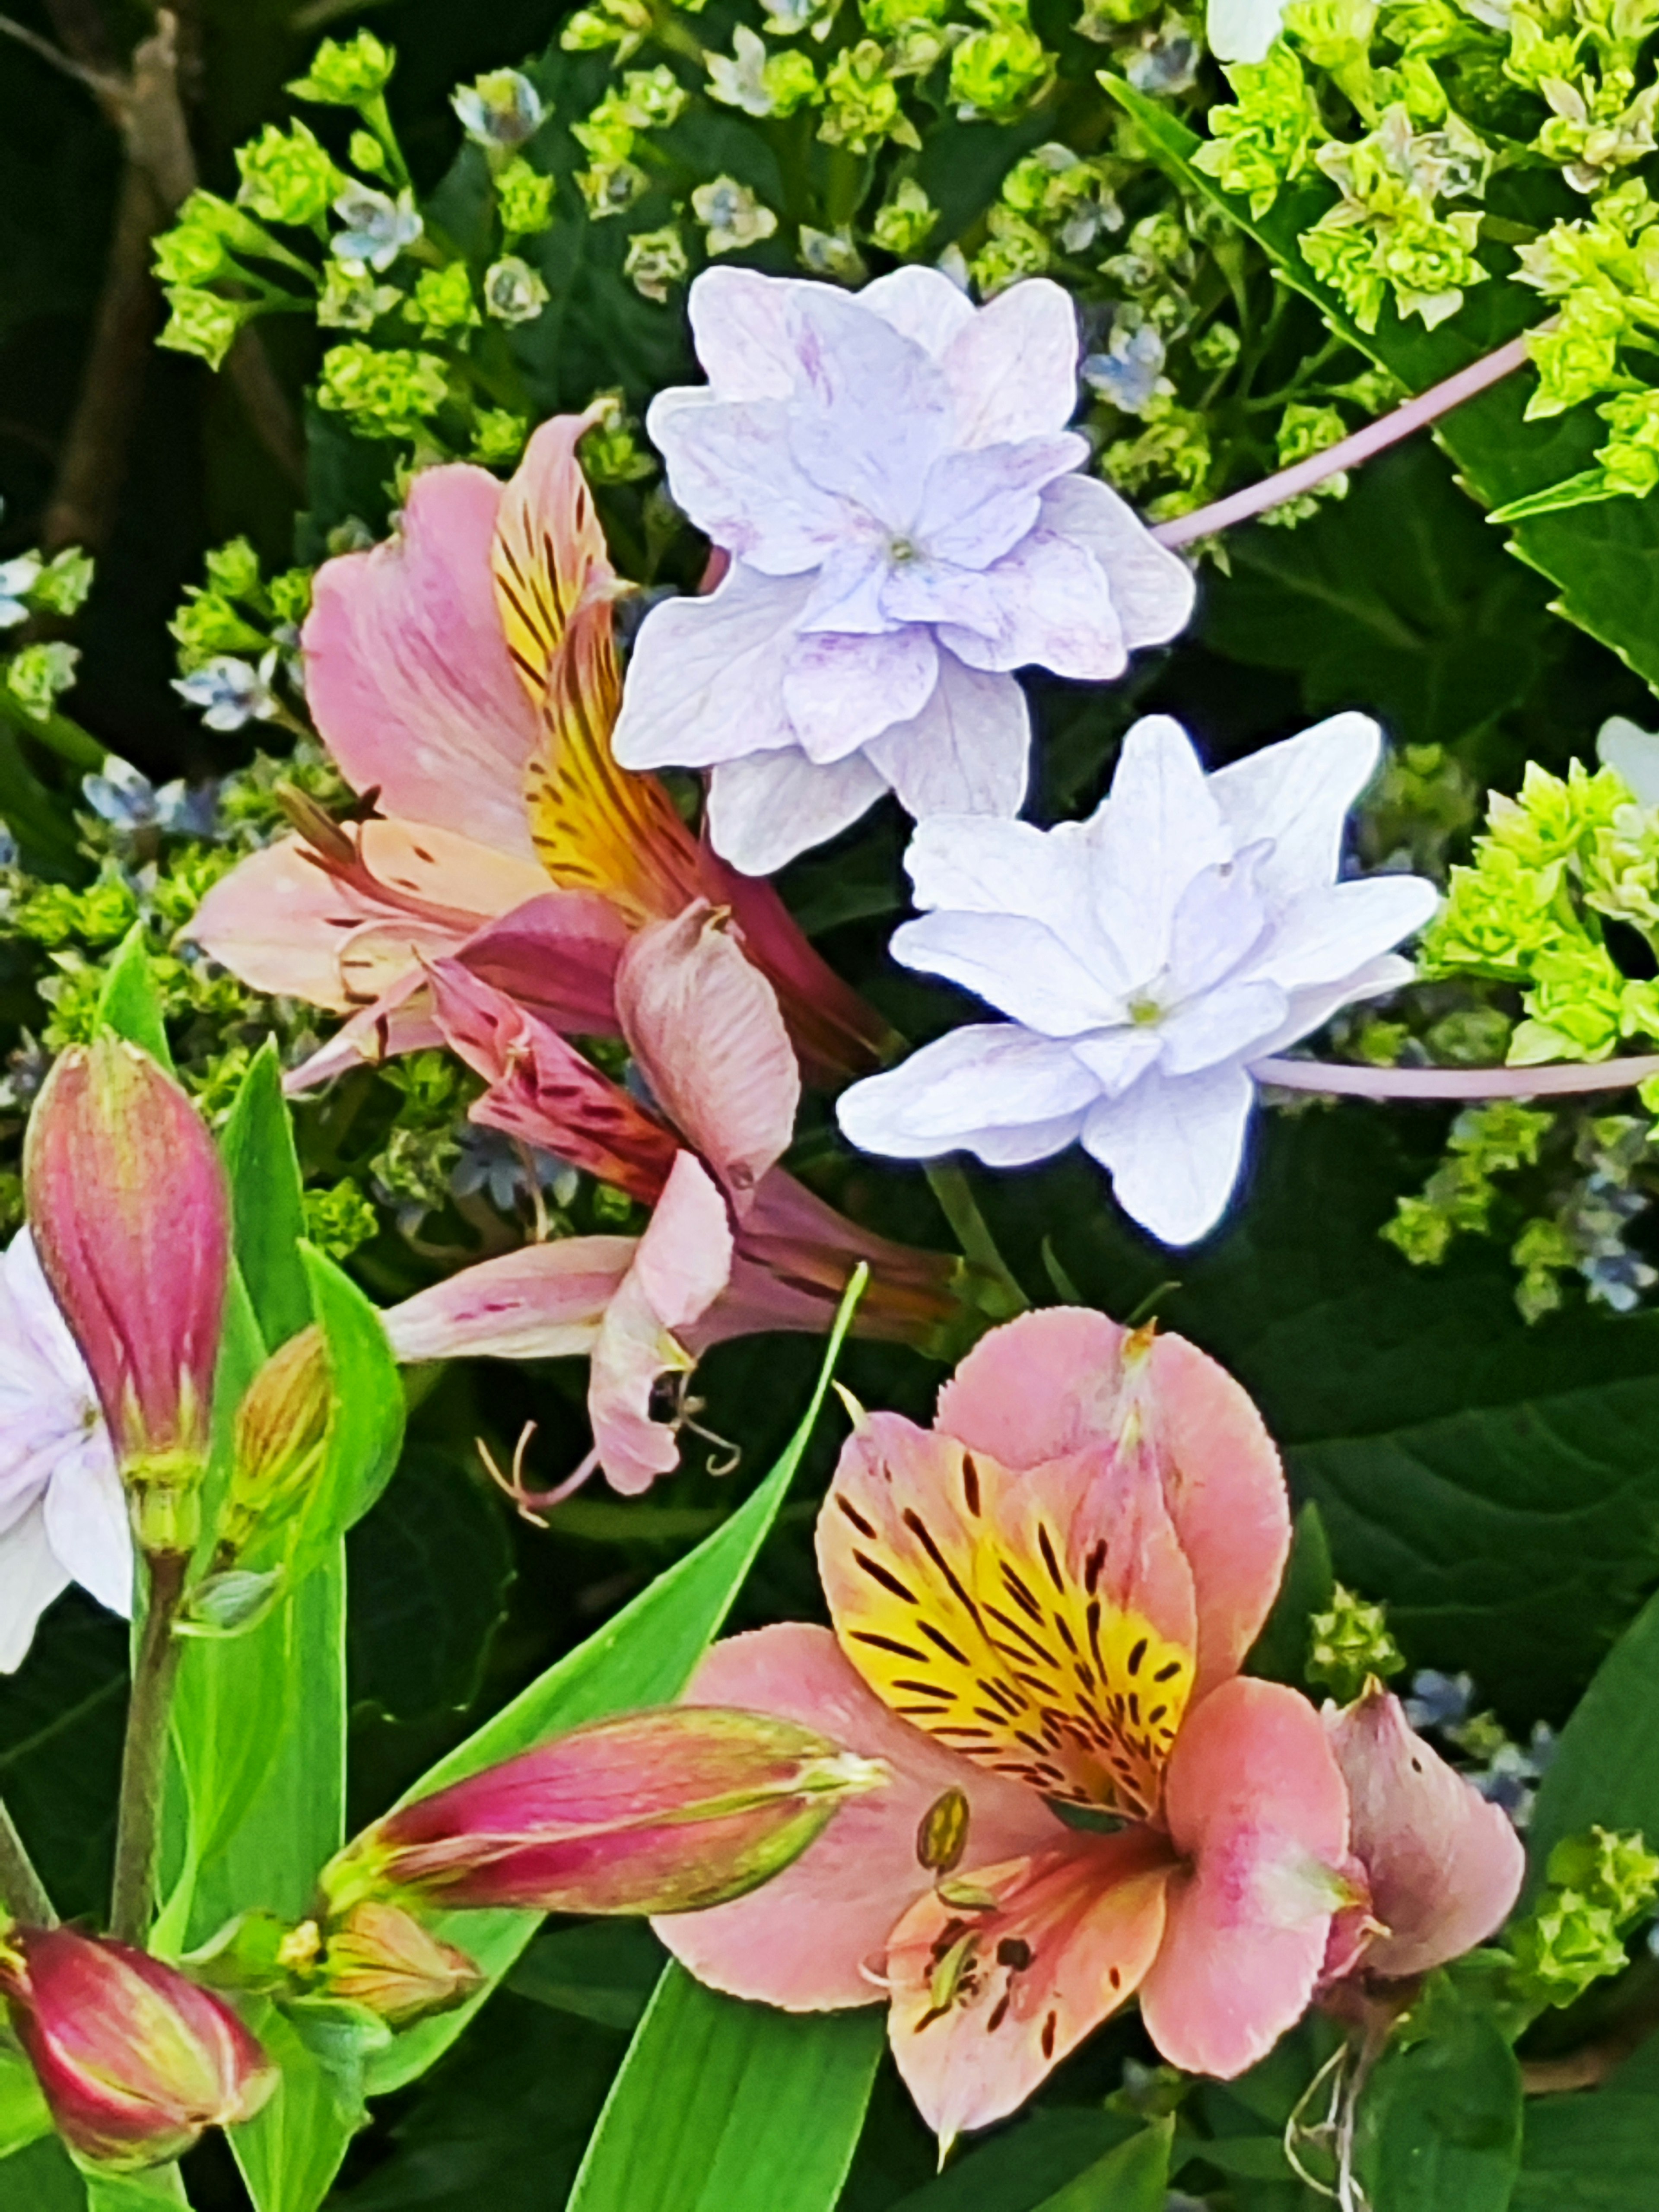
735, 1245
464, 675
1045, 1602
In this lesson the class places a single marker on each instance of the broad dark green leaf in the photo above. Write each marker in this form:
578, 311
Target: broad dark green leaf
1596, 2150
1606, 1767
267, 1199
290, 2152
1280, 1652
41, 2179
1440, 2122
640, 1657
129, 1003
1133, 2177
1497, 1485
1019, 2167
723, 2107
1605, 558
602, 1969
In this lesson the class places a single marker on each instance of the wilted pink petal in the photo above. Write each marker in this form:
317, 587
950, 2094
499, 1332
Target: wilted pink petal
987, 2002
665, 1811
806, 1245
836, 1031
544, 1302
543, 1091
131, 1216
815, 1937
704, 1025
1256, 1806
1445, 1866
134, 2061
1054, 1382
679, 1268
409, 676
556, 954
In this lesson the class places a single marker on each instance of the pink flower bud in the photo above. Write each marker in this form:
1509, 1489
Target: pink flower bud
131, 1220
133, 2060
663, 1811
380, 1957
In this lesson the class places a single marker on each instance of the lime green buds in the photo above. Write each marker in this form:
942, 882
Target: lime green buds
1350, 1643
281, 1429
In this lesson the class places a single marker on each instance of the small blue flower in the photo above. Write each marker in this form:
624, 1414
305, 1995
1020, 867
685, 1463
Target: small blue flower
231, 692
1439, 1701
377, 227
492, 1163
17, 579
502, 109
120, 795
1129, 371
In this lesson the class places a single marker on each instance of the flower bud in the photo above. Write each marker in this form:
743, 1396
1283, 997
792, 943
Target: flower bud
381, 1957
133, 2060
663, 1811
131, 1216
281, 1427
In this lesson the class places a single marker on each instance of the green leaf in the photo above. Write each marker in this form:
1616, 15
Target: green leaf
723, 2107
1440, 2122
1280, 1652
23, 2115
604, 1971
135, 2192
1589, 484
1605, 1766
290, 2151
1594, 2151
267, 1199
130, 1004
1018, 2168
1133, 2177
41, 2178
1604, 557
366, 1418
643, 1656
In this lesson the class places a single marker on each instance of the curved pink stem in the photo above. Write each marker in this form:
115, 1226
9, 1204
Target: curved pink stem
1347, 453
1555, 1079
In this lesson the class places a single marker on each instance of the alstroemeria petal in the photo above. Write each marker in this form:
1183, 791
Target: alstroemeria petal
1298, 793
1254, 1798
986, 1082
986, 2004
679, 1268
1445, 1866
813, 1939
966, 752
279, 923
1056, 1382
548, 552
767, 807
544, 1302
704, 1025
1042, 1624
1173, 1148
693, 659
408, 674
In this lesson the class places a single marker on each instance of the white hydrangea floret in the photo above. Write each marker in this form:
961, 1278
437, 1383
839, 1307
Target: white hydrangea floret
1146, 959
891, 474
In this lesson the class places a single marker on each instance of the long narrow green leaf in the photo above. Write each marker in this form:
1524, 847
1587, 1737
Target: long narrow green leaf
1133, 2177
1605, 1770
267, 1200
129, 1003
366, 1421
643, 1657
722, 2106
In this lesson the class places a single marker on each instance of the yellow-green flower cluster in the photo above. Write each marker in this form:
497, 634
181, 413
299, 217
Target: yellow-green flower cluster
1268, 135
646, 100
1349, 1642
1599, 1885
1459, 1196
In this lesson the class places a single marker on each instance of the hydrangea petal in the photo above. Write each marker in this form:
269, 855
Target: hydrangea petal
1012, 370
1297, 793
976, 506
1255, 1800
30, 1576
743, 327
1152, 589
693, 659
765, 808
921, 304
1173, 1148
966, 752
1053, 610
982, 1077
1015, 964
1445, 1866
1326, 935
813, 1938
839, 689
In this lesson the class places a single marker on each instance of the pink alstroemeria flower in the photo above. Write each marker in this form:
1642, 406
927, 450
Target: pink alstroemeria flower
464, 675
1044, 1600
735, 1245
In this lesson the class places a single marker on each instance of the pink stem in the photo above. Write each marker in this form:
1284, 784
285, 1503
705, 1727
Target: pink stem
1559, 1078
1347, 453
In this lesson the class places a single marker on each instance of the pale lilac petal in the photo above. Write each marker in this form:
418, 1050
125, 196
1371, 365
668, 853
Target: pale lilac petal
85, 1509
966, 752
30, 1576
1118, 1057
733, 470
704, 1025
1445, 1866
846, 597
976, 864
545, 1302
955, 1092
872, 410
1310, 1010
407, 672
680, 1267
704, 681
839, 691
1156, 830
743, 330
977, 506
806, 1939
1217, 926
1243, 30
1013, 371
1226, 1022
765, 810
1051, 608
1329, 934
1152, 589
1017, 966
1173, 1149
1256, 1805
921, 304
1298, 793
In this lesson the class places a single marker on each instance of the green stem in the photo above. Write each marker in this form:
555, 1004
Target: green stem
57, 733
143, 1760
957, 1202
21, 1890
